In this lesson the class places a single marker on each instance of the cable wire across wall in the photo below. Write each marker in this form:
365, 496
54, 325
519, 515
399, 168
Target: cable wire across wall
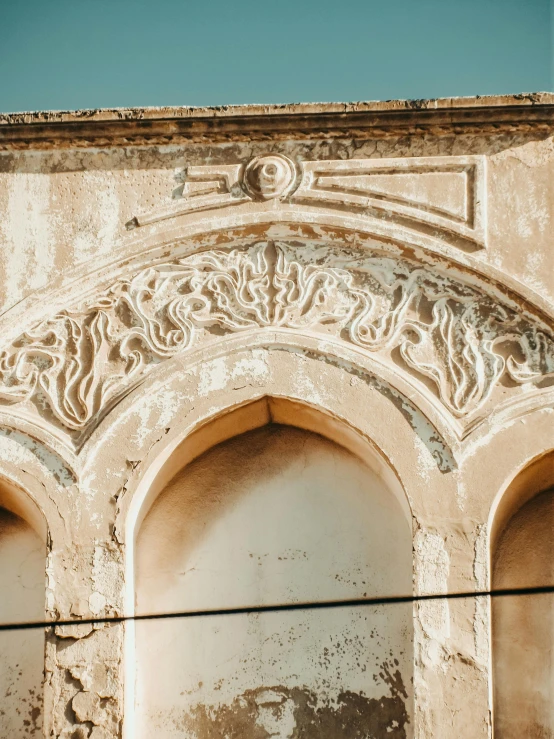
296, 606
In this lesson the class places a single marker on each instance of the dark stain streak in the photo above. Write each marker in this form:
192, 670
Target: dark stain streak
281, 712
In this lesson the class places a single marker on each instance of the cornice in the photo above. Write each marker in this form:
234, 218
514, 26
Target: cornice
524, 113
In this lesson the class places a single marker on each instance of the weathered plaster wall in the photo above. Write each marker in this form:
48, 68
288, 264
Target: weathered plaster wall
22, 565
523, 626
65, 209
274, 516
380, 276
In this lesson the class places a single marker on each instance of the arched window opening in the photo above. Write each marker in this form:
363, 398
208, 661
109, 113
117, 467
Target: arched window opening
275, 515
22, 584
523, 625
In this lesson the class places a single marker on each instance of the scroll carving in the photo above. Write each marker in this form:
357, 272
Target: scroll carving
460, 339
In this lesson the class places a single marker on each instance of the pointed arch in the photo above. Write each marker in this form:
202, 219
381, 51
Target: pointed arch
522, 554
276, 441
466, 340
23, 550
184, 396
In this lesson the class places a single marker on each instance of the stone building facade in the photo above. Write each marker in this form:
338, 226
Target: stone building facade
262, 357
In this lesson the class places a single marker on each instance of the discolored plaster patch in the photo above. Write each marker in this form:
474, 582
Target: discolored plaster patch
300, 713
47, 457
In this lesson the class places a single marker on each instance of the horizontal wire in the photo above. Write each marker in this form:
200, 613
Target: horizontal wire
319, 605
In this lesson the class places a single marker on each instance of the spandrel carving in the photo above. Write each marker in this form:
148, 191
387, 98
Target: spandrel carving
459, 338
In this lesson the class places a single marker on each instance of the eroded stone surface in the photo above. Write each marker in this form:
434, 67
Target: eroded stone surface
379, 274
292, 713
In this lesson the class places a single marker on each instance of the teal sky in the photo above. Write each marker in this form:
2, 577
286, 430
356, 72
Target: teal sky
65, 54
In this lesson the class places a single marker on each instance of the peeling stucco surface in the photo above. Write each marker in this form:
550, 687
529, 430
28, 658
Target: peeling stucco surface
105, 397
256, 521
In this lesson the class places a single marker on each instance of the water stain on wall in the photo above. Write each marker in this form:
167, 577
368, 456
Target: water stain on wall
300, 713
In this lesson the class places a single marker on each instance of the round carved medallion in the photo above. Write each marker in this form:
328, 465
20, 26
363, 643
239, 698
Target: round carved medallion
269, 176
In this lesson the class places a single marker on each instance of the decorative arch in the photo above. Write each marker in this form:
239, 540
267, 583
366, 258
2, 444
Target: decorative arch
522, 556
236, 421
467, 344
532, 477
227, 424
182, 396
19, 503
234, 373
36, 483
271, 400
34, 478
24, 543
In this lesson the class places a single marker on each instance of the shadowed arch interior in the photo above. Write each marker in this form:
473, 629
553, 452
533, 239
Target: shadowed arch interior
274, 503
523, 556
22, 586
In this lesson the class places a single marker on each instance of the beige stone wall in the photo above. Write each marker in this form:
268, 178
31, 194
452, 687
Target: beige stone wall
374, 282
523, 625
22, 556
273, 516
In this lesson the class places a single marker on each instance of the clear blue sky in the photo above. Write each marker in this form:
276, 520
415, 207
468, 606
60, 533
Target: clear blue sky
64, 54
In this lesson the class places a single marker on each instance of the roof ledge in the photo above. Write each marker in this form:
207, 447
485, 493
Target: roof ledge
526, 112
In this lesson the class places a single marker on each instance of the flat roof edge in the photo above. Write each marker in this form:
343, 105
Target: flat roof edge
161, 125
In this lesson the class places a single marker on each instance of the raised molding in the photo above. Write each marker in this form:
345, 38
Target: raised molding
445, 196
205, 188
442, 331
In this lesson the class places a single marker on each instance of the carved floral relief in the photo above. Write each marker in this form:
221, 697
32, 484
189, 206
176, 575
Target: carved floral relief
459, 338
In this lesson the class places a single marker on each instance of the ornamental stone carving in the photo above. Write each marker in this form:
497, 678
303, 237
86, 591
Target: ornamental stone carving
276, 356
269, 177
443, 197
463, 341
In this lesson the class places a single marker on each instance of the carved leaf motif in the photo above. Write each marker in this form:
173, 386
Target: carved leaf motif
65, 361
538, 363
77, 362
452, 353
